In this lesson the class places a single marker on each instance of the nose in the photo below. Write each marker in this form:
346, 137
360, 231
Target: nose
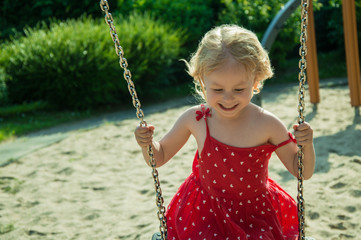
228, 96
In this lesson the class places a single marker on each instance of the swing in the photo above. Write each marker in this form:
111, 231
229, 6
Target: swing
162, 235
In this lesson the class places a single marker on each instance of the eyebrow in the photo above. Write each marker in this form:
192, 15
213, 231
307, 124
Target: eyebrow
218, 85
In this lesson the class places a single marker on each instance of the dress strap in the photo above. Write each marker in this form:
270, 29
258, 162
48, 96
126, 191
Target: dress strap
291, 139
204, 114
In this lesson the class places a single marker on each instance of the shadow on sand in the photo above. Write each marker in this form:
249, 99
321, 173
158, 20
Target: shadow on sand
335, 143
325, 145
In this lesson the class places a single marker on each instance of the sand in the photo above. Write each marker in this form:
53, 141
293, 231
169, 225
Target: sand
95, 185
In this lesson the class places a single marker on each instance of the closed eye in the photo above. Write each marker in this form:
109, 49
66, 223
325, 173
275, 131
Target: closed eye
239, 89
217, 89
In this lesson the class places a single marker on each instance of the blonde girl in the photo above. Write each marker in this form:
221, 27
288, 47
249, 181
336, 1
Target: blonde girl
229, 195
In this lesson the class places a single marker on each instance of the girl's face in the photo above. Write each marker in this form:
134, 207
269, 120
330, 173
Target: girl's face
229, 89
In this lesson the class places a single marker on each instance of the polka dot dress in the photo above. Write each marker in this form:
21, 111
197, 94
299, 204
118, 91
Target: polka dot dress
228, 196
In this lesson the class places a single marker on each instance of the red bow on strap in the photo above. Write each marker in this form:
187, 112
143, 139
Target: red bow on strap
204, 113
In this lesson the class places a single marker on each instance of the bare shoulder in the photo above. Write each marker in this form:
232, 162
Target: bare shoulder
272, 125
191, 119
188, 117
190, 112
268, 118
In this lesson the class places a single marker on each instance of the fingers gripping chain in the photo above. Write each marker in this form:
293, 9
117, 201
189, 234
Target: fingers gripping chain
140, 115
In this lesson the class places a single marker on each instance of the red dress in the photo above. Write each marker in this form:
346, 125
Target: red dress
228, 196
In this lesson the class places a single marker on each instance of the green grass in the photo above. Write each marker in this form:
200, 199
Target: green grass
18, 120
21, 119
5, 228
10, 185
330, 65
13, 110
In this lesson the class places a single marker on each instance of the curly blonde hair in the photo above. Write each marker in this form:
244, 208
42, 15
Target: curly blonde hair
218, 45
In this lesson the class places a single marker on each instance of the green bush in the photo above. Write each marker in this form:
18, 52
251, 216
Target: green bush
329, 25
13, 110
3, 89
195, 16
73, 65
256, 15
15, 15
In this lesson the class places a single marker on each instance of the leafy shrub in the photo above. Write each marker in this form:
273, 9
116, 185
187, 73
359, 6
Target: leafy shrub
329, 25
73, 65
9, 111
256, 15
3, 88
195, 16
15, 15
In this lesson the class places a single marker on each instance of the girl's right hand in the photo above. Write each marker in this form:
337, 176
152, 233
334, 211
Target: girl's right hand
144, 135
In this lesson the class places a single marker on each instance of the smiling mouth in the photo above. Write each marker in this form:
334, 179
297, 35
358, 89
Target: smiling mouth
228, 108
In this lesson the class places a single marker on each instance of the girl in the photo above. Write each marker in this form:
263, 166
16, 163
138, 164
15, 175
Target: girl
228, 194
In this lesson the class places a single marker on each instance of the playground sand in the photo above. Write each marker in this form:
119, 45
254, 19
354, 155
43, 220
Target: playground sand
95, 184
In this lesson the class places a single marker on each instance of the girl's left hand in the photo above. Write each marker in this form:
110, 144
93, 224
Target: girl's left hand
303, 134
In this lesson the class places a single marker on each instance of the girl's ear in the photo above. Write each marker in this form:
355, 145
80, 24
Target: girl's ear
258, 83
255, 83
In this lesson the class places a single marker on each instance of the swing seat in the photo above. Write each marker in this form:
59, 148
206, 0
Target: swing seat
157, 236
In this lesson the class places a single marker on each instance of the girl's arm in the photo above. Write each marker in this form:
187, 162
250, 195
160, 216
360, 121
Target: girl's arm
288, 153
170, 144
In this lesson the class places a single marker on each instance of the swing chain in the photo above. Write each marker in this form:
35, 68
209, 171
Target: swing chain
122, 60
140, 115
301, 107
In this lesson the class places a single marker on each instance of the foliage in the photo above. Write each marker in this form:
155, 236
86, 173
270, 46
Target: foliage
25, 118
329, 64
3, 88
332, 64
329, 25
72, 64
9, 185
7, 111
17, 120
256, 15
195, 16
5, 228
15, 15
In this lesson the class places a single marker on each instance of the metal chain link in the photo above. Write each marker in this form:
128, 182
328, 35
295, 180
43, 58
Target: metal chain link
301, 107
140, 115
